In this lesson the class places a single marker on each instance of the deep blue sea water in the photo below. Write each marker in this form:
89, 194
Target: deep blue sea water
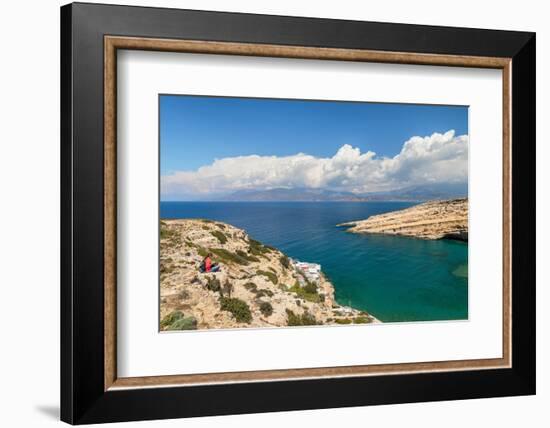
394, 278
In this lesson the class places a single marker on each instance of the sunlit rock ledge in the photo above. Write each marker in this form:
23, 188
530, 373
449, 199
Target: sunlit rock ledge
257, 285
446, 219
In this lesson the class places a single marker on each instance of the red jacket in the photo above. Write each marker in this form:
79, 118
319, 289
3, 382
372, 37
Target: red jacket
207, 264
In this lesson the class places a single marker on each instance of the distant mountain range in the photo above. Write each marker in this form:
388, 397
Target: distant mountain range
297, 194
425, 192
412, 193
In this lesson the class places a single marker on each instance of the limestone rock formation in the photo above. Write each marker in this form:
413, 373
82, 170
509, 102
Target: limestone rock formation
257, 286
430, 220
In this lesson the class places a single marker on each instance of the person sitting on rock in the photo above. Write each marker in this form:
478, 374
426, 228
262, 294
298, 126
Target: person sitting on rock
208, 266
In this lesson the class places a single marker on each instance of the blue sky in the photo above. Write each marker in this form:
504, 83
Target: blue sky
196, 130
245, 143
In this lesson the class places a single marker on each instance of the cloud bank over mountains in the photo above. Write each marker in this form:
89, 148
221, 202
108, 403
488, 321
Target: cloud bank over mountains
438, 158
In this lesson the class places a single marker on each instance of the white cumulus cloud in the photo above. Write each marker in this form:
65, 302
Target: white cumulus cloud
438, 158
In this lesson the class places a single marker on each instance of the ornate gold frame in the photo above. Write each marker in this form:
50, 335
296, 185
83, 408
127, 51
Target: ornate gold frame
113, 43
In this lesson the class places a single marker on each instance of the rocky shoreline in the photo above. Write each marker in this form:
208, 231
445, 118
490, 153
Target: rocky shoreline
258, 285
447, 219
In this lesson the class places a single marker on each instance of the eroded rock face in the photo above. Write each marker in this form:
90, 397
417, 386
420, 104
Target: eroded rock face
430, 220
260, 276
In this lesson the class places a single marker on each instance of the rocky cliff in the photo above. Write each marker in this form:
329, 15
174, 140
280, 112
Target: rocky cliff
430, 220
257, 286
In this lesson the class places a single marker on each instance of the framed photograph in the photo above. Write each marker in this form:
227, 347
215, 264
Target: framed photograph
265, 213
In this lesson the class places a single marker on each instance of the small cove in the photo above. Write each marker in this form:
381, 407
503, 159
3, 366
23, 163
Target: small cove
394, 278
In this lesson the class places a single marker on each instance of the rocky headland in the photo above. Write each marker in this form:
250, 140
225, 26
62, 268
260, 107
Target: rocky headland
447, 219
257, 286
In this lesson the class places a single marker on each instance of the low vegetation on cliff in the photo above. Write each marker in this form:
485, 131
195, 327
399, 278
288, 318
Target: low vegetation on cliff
257, 285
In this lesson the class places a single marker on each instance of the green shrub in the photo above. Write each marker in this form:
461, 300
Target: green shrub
292, 319
166, 232
285, 261
220, 225
257, 248
250, 286
237, 307
247, 256
261, 292
310, 287
269, 275
228, 257
204, 227
171, 318
362, 320
304, 294
188, 323
299, 320
343, 321
308, 319
220, 236
213, 283
266, 309
176, 321
258, 292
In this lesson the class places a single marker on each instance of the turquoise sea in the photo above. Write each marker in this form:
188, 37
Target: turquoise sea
393, 278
